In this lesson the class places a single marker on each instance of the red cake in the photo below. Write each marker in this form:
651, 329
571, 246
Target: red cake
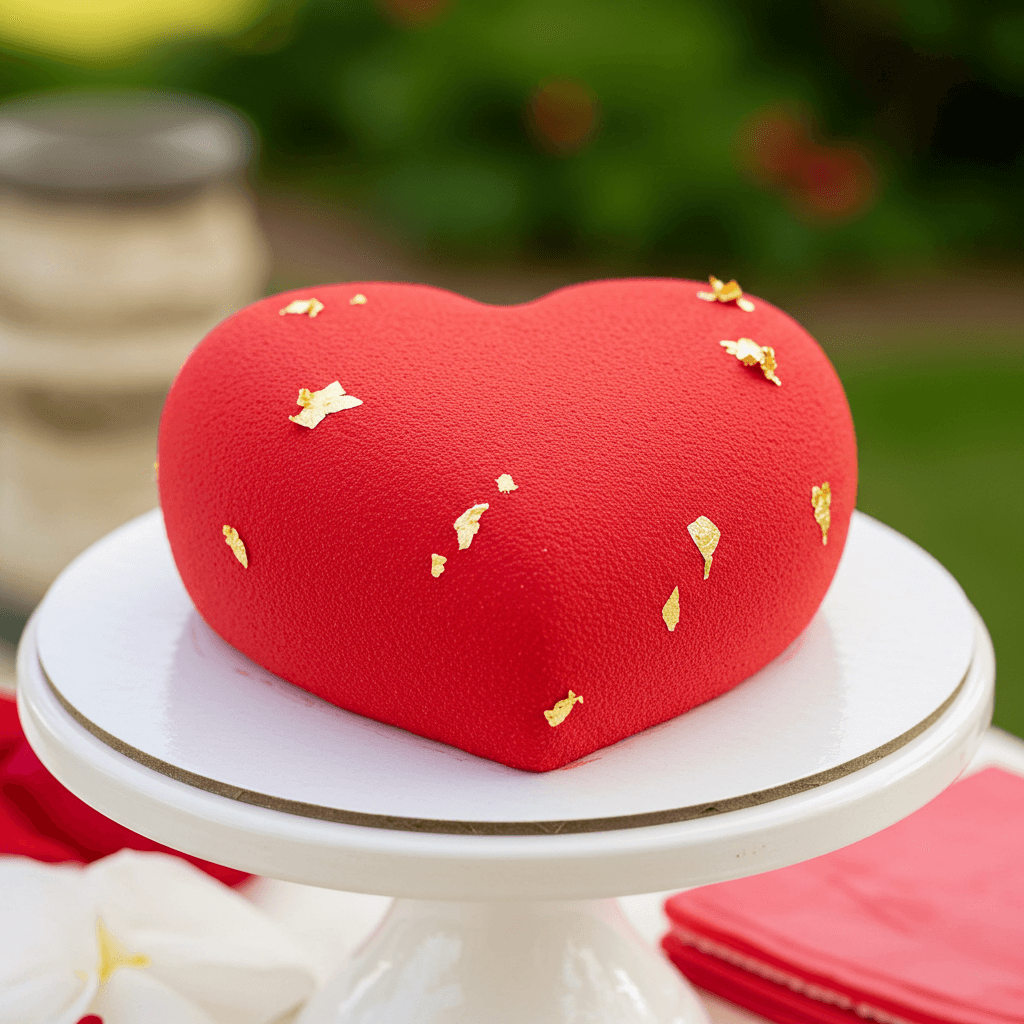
525, 531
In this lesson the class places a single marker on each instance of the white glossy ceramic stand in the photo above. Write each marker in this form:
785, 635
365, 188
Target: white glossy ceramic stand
505, 877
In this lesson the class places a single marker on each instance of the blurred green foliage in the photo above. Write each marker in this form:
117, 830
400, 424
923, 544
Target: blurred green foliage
783, 136
941, 450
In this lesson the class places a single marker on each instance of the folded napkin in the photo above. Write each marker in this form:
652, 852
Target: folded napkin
139, 938
42, 819
923, 922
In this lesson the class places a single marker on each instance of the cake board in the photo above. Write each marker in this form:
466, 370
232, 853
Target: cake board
505, 878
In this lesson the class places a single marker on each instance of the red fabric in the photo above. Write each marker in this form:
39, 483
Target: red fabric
42, 819
773, 1000
621, 420
923, 921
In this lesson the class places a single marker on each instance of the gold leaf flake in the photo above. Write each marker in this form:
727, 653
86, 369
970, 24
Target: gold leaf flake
303, 307
749, 353
560, 712
670, 613
357, 300
468, 523
769, 364
821, 502
437, 565
506, 483
234, 542
317, 404
113, 955
728, 291
706, 536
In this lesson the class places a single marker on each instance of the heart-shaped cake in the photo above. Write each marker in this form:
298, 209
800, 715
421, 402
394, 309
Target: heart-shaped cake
525, 531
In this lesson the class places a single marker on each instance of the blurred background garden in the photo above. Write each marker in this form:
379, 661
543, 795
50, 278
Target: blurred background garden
858, 162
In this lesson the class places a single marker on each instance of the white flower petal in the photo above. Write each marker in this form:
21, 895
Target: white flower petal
205, 942
44, 998
137, 997
47, 943
329, 924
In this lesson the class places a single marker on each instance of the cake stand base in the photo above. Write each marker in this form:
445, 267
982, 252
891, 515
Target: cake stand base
520, 963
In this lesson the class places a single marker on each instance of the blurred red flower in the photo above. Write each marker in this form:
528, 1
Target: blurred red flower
414, 13
563, 115
777, 147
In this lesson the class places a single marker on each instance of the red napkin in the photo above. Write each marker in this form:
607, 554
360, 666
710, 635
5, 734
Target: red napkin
40, 818
923, 922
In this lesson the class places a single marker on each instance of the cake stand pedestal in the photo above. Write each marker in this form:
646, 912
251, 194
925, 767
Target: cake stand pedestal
505, 878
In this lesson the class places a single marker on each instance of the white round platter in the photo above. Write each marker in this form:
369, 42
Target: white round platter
139, 708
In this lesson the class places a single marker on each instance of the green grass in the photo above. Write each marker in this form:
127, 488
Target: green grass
941, 447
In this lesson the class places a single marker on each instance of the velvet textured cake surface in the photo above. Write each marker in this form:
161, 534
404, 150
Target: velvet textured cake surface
491, 525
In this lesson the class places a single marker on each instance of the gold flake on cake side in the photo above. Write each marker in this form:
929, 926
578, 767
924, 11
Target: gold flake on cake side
749, 353
303, 307
467, 525
560, 712
506, 483
670, 613
234, 542
728, 291
706, 536
357, 300
821, 502
317, 404
437, 565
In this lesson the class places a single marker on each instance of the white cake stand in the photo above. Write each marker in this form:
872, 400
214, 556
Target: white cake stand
133, 703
